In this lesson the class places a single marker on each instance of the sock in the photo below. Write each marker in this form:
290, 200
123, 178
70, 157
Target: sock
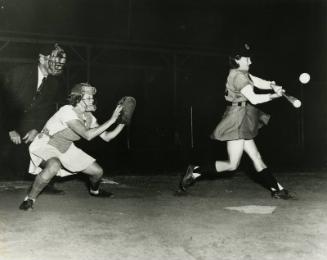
28, 198
196, 172
94, 187
208, 169
266, 179
94, 192
280, 187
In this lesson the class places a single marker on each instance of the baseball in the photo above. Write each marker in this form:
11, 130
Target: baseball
304, 78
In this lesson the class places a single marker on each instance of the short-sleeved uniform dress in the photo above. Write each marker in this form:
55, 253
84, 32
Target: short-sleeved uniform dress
241, 119
57, 140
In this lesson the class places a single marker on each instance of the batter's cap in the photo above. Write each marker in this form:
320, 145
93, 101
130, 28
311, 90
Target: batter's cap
242, 50
83, 88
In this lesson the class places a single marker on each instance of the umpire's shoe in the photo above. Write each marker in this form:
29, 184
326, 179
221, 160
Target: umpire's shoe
282, 194
27, 204
187, 179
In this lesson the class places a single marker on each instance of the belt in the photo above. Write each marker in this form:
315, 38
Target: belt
239, 104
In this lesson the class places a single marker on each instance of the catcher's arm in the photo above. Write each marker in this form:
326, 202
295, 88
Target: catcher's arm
109, 135
88, 134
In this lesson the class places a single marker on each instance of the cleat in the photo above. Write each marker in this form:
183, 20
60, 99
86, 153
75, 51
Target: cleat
187, 179
282, 194
101, 193
27, 204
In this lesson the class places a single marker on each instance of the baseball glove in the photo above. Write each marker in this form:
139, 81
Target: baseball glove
128, 106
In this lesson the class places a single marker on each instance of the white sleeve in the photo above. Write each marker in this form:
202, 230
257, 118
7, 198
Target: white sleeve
67, 113
255, 98
260, 83
58, 121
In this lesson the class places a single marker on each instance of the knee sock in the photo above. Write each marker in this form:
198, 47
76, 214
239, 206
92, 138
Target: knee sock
38, 185
207, 169
266, 179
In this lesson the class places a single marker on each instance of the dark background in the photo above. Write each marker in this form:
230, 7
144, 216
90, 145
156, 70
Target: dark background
171, 55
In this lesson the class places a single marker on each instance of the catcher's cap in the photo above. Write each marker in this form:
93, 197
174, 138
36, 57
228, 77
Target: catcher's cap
243, 51
83, 88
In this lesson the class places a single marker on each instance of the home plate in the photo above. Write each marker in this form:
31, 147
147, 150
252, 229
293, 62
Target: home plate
253, 209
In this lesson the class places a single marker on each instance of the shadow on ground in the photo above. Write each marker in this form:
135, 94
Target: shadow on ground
146, 221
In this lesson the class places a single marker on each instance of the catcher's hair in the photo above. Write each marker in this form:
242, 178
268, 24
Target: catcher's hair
74, 99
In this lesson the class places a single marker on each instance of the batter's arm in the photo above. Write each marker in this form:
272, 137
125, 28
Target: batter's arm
254, 98
261, 83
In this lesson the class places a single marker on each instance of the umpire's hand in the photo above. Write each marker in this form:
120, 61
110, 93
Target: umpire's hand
29, 137
15, 137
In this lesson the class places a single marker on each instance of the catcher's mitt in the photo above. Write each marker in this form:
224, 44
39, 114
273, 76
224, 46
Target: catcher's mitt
128, 104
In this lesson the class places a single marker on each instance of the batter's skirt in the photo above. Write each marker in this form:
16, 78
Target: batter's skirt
240, 122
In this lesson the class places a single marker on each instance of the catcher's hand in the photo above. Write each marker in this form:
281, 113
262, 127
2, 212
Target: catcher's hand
116, 113
128, 106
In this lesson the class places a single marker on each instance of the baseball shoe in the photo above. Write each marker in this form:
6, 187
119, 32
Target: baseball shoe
101, 193
27, 204
282, 194
180, 193
187, 179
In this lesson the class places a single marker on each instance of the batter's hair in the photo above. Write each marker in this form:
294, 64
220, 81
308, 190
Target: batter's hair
232, 61
237, 53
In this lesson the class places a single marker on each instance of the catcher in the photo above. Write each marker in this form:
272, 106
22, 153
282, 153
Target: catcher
53, 152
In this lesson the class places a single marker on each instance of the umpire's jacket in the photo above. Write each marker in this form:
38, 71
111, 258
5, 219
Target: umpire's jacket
26, 108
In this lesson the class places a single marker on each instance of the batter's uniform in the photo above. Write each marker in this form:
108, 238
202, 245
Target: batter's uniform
241, 120
57, 140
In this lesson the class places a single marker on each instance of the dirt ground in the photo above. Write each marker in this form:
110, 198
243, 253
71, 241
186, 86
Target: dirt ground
146, 221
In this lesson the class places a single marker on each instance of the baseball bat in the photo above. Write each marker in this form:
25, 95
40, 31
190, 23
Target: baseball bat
293, 100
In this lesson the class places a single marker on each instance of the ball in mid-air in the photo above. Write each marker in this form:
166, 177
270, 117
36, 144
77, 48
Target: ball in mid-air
304, 78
